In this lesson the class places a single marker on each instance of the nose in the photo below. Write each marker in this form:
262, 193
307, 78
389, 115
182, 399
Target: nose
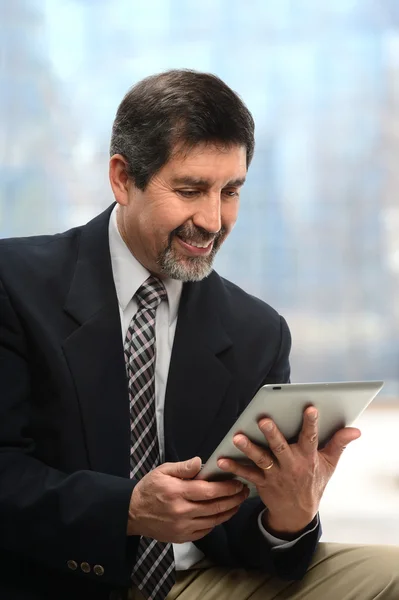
208, 214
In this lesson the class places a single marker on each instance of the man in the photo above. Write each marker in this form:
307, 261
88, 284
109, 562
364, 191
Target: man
124, 361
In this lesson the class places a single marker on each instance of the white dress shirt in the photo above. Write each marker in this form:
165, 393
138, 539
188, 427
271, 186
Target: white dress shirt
129, 275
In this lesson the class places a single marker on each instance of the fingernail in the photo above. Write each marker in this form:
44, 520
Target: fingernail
190, 464
222, 463
313, 415
267, 426
241, 442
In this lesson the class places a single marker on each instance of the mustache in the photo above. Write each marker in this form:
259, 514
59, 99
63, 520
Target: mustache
196, 234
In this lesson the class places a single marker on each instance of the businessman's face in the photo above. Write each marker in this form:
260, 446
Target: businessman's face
177, 224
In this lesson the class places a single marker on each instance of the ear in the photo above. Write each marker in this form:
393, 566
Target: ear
119, 179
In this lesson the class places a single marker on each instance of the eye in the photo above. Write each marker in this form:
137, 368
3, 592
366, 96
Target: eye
188, 193
231, 193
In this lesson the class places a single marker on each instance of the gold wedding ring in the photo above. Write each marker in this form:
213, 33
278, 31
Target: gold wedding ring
268, 467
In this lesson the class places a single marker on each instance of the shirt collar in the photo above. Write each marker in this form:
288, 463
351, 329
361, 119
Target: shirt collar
129, 274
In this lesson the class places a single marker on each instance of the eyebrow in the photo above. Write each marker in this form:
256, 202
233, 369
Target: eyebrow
200, 182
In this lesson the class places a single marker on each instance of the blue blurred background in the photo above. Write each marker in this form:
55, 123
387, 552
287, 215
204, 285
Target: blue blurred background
318, 232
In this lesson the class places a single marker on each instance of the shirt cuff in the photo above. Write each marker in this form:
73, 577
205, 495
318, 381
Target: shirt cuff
279, 544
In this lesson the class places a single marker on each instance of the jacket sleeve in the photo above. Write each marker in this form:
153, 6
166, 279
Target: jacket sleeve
287, 563
242, 535
48, 517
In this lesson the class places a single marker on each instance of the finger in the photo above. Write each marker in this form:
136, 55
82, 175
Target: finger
214, 520
309, 437
182, 470
277, 442
251, 473
198, 491
261, 457
333, 450
221, 505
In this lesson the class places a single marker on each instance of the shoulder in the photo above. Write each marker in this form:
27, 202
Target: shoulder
36, 243
248, 310
260, 334
54, 252
31, 259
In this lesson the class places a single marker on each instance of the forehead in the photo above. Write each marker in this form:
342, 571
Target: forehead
208, 162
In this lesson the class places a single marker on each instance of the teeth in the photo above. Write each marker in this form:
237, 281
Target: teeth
198, 245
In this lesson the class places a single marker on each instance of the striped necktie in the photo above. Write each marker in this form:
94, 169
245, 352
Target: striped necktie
154, 570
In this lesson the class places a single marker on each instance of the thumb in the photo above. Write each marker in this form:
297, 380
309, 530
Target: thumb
333, 450
186, 469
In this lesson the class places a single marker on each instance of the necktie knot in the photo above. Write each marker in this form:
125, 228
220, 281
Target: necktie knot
151, 293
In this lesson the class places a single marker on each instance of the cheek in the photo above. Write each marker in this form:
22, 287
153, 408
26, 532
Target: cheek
229, 215
168, 217
159, 224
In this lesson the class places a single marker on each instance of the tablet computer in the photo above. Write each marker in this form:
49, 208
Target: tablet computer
339, 405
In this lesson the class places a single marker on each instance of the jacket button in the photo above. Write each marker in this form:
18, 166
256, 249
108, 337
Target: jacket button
86, 568
72, 564
98, 570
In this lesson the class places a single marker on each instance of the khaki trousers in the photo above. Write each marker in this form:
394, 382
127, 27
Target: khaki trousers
337, 572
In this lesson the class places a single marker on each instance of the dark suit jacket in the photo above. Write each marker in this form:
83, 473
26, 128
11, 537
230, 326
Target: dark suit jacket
64, 415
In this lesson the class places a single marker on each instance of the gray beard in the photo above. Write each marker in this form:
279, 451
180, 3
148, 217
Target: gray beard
186, 268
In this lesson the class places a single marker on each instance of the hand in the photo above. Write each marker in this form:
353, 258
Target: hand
169, 506
292, 488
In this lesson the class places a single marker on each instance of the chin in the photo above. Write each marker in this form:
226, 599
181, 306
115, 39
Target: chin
190, 270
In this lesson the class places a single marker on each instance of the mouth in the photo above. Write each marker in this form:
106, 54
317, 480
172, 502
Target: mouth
193, 248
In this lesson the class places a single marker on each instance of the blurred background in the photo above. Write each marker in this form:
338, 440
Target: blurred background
318, 232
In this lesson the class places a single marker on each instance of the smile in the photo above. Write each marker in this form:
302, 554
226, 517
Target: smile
196, 248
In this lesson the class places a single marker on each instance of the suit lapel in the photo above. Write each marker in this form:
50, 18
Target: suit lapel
94, 352
198, 377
